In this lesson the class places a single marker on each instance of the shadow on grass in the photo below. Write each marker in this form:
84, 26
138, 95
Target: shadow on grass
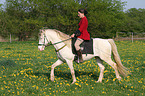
40, 74
7, 63
67, 75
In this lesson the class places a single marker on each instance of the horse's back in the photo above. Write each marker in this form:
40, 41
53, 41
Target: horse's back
100, 41
101, 47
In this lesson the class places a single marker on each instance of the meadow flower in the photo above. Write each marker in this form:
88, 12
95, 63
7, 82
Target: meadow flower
114, 79
31, 70
76, 84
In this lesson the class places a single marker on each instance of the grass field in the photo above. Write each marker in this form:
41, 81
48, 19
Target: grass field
25, 71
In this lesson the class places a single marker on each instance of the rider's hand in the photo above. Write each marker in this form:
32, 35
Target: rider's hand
72, 36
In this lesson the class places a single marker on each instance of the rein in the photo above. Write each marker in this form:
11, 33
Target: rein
58, 42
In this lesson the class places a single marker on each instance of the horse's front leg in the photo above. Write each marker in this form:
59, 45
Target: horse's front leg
57, 63
100, 62
70, 64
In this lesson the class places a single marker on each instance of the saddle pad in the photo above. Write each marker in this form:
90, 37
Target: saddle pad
86, 46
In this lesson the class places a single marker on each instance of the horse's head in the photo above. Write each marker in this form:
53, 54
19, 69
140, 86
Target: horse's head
43, 40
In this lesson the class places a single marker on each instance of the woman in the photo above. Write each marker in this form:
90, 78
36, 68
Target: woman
82, 33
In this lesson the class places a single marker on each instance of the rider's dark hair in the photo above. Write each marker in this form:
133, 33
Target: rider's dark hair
83, 11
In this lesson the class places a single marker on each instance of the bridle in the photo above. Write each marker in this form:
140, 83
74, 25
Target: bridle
53, 44
44, 41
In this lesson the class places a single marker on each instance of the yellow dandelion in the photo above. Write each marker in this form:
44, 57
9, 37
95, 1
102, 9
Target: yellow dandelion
76, 84
67, 84
2, 88
37, 87
18, 93
103, 92
114, 79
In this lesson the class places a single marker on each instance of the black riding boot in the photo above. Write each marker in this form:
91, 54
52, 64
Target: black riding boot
80, 59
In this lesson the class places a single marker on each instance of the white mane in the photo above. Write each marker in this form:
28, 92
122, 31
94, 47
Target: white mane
64, 36
60, 35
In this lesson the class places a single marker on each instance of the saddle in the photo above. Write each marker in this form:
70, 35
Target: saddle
86, 46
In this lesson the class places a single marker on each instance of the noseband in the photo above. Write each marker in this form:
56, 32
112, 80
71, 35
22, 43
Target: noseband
44, 41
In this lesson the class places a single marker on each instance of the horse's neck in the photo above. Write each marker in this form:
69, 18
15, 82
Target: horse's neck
54, 39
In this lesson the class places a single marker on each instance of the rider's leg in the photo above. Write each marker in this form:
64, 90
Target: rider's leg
78, 49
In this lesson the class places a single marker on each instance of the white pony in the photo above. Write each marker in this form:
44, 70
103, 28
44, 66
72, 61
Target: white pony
102, 51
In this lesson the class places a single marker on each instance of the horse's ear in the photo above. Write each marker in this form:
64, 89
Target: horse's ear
39, 34
41, 30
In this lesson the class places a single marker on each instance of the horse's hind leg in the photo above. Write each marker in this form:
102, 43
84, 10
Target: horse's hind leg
113, 65
100, 62
57, 63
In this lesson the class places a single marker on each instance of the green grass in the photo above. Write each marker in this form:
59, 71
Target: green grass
25, 71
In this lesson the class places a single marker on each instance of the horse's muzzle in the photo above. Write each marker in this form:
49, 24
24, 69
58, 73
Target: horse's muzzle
41, 48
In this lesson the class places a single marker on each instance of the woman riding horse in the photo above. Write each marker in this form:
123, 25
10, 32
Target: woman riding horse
82, 33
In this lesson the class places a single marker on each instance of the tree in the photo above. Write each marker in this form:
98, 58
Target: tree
4, 23
22, 23
25, 17
61, 15
135, 20
105, 17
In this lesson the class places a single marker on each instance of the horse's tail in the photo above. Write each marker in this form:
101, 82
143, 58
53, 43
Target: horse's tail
123, 70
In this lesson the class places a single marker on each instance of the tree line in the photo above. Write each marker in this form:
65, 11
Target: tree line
24, 18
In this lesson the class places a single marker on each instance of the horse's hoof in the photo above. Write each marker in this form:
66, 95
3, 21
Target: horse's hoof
119, 78
52, 79
73, 82
98, 81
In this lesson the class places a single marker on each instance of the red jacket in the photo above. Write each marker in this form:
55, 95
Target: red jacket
83, 25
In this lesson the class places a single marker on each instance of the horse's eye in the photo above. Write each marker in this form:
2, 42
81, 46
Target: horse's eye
40, 38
